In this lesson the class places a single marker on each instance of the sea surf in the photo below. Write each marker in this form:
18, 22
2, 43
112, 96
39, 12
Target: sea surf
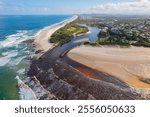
15, 55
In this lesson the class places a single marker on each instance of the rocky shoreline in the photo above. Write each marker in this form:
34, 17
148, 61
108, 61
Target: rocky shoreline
58, 80
52, 77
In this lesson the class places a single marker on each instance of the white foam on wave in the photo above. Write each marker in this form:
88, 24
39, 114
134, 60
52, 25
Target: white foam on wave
16, 61
57, 24
26, 93
21, 71
22, 35
15, 39
10, 53
4, 61
7, 58
24, 48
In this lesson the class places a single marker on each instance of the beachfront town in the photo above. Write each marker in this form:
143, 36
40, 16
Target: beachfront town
139, 29
123, 30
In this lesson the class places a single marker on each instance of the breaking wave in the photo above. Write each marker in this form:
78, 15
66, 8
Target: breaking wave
15, 39
13, 52
7, 57
26, 93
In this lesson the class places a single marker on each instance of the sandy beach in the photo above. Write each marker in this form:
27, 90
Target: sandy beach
42, 39
130, 65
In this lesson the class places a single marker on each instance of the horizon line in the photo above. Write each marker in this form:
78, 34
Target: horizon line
77, 14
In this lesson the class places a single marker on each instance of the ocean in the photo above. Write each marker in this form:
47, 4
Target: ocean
15, 56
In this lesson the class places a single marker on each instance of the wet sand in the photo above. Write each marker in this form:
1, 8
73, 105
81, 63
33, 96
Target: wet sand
130, 65
90, 73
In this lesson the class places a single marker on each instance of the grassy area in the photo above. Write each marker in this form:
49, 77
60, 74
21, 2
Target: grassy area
65, 34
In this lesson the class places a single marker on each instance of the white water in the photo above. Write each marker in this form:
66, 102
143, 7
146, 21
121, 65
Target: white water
57, 24
13, 54
16, 61
14, 39
25, 92
7, 57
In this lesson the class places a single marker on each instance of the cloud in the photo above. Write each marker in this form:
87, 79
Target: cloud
134, 7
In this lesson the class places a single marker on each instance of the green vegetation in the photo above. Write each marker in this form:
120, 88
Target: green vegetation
65, 34
142, 42
82, 21
90, 22
111, 42
103, 34
119, 31
95, 24
122, 42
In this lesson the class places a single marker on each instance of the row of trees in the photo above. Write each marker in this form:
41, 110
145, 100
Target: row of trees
124, 40
113, 40
142, 42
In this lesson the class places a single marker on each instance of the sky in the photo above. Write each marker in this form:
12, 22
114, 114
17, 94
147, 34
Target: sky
30, 7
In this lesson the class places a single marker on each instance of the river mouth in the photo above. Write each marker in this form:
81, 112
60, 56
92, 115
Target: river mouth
67, 79
89, 37
92, 35
78, 41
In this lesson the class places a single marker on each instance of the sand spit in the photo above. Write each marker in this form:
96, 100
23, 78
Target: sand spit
42, 39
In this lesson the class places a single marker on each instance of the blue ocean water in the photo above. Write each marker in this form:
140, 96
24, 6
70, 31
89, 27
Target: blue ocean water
11, 24
14, 55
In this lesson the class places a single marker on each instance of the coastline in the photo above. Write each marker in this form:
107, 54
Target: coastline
127, 64
63, 81
42, 39
43, 46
